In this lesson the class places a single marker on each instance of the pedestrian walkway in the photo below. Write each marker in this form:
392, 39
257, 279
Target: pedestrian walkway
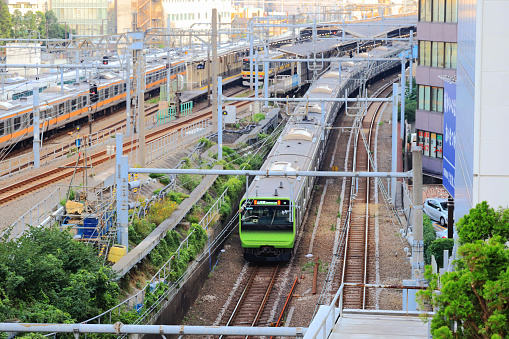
380, 325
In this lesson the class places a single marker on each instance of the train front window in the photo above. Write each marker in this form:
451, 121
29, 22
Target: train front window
245, 66
266, 217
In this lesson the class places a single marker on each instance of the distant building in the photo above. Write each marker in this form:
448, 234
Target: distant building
27, 5
185, 13
87, 17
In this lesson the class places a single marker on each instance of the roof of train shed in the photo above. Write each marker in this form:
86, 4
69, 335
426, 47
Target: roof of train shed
306, 48
373, 28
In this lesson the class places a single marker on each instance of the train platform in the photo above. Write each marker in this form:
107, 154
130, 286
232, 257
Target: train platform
192, 95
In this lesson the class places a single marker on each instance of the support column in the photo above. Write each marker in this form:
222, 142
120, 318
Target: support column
394, 166
37, 141
403, 94
121, 168
256, 77
215, 71
251, 55
219, 118
61, 80
418, 240
128, 94
141, 108
411, 71
266, 76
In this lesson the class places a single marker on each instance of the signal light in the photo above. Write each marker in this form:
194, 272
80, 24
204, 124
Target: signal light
93, 93
105, 60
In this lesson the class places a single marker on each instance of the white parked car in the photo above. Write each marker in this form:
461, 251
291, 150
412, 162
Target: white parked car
436, 209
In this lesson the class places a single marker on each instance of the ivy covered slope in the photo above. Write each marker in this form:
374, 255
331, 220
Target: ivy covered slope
45, 276
475, 297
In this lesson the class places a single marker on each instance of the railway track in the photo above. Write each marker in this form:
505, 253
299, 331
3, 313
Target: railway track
149, 111
46, 178
254, 301
357, 252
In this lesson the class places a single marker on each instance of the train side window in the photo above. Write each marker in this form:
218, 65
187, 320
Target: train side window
101, 95
115, 90
67, 106
124, 87
74, 105
106, 93
61, 108
2, 128
17, 123
32, 118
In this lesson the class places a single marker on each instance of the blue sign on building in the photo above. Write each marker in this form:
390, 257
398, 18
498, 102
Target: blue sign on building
449, 163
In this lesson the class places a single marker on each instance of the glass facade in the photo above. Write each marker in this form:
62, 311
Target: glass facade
437, 54
430, 98
431, 143
438, 10
86, 17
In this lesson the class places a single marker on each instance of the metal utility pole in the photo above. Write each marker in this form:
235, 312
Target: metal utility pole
266, 77
251, 55
36, 142
418, 240
219, 118
168, 74
403, 92
411, 71
128, 94
122, 186
140, 92
394, 166
215, 71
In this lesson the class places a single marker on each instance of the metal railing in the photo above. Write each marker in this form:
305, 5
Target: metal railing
213, 211
170, 143
38, 215
326, 325
23, 162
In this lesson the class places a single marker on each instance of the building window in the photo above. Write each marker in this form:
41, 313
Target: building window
431, 143
437, 54
438, 10
431, 98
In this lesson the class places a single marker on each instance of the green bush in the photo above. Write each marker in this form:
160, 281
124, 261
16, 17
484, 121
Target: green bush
46, 275
164, 180
429, 236
437, 248
206, 143
156, 175
258, 117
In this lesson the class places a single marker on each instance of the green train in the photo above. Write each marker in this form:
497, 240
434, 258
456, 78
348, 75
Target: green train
272, 210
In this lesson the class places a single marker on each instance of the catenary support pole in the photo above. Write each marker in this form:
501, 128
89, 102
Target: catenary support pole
128, 94
403, 95
215, 72
411, 69
418, 240
121, 169
394, 166
141, 108
266, 75
219, 118
251, 55
36, 142
61, 81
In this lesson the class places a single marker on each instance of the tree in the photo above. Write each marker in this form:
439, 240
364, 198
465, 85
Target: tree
46, 276
476, 295
18, 26
5, 21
